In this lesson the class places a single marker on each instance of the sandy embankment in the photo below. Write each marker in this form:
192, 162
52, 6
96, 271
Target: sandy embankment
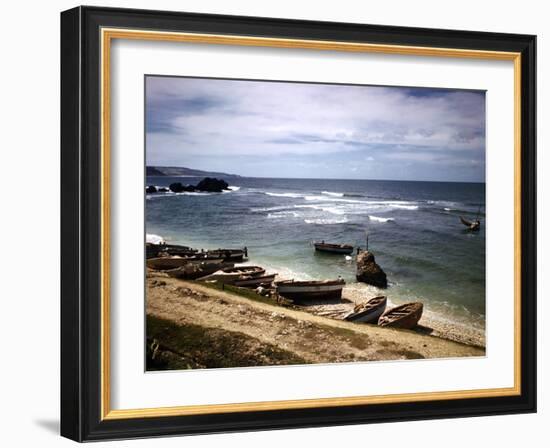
301, 335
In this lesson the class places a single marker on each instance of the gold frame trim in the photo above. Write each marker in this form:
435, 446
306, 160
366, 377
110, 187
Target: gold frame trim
107, 35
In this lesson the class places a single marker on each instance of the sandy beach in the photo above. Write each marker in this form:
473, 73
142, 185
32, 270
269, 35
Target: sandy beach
196, 326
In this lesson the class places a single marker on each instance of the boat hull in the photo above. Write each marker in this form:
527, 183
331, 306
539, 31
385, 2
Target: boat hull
404, 316
333, 249
253, 282
368, 316
310, 291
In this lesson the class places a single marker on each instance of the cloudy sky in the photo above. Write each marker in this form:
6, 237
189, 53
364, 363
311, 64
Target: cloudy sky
279, 129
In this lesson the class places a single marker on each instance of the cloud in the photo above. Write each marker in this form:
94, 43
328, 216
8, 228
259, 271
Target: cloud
189, 119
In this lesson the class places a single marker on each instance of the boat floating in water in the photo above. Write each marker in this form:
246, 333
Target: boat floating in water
473, 226
402, 316
333, 248
310, 290
368, 312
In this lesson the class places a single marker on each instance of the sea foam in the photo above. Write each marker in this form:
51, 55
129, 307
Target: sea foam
379, 219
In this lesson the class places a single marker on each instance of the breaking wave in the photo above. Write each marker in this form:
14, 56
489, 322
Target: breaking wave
323, 221
333, 194
284, 195
379, 219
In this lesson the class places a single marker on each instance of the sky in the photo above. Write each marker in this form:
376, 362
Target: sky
305, 130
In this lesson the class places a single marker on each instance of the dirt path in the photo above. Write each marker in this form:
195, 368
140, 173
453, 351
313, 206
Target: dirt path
314, 338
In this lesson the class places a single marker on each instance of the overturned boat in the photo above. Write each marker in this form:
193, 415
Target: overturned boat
310, 290
473, 226
333, 248
230, 275
255, 281
402, 316
368, 312
193, 271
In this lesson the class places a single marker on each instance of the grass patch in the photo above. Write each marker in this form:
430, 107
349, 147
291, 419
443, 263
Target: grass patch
188, 346
242, 292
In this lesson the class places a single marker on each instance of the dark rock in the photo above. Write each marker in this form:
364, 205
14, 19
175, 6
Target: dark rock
151, 189
178, 187
163, 190
369, 272
212, 185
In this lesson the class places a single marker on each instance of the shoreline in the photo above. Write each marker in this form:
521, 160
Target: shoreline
269, 332
433, 323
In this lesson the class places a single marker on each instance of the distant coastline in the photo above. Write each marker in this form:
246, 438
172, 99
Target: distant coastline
180, 171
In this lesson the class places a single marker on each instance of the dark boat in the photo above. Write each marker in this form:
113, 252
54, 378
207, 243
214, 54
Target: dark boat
403, 316
310, 290
234, 255
368, 312
166, 263
153, 250
255, 281
473, 226
172, 249
333, 248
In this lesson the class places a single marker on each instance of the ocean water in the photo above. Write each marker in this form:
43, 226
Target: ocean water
413, 227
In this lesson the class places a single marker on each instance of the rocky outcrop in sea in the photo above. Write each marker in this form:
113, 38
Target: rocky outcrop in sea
369, 272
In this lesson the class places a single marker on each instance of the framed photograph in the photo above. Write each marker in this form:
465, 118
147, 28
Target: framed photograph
273, 223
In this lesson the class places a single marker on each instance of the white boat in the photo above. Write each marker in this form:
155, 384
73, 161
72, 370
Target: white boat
310, 290
254, 281
230, 275
368, 312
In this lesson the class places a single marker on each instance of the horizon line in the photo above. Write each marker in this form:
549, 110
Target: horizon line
311, 178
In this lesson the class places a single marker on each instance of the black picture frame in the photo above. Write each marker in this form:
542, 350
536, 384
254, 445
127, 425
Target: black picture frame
81, 224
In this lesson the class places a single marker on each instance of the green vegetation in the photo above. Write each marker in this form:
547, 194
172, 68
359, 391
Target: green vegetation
187, 346
242, 292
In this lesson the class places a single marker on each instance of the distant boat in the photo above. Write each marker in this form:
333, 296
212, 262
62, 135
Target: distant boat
368, 312
310, 290
403, 316
472, 225
229, 275
255, 281
333, 248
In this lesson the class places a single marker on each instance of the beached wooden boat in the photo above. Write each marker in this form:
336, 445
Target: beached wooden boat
165, 263
153, 250
368, 312
311, 290
333, 248
233, 255
181, 251
402, 316
472, 225
255, 281
229, 275
193, 271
